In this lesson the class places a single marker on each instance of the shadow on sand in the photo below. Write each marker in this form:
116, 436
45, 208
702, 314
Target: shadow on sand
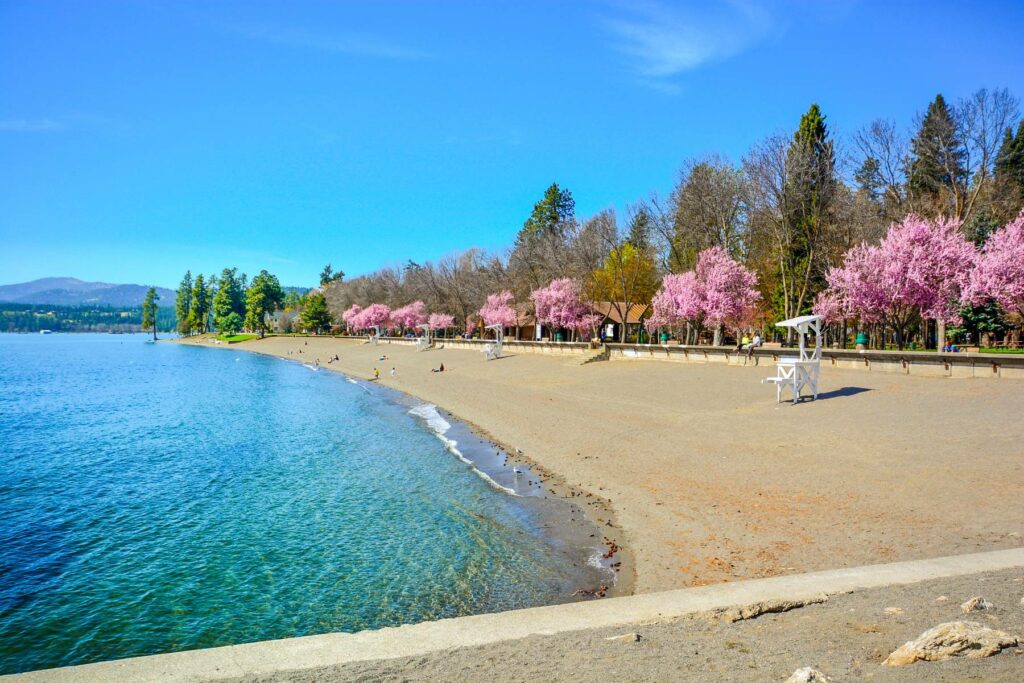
839, 393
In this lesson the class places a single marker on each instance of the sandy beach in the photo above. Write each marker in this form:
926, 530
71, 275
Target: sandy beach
702, 477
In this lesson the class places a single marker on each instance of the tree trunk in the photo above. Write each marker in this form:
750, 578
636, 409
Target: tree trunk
940, 334
718, 336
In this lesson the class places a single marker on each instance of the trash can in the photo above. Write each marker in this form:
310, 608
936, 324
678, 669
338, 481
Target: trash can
862, 341
559, 336
664, 337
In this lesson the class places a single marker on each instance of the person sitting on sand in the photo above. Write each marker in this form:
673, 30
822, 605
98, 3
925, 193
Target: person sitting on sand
440, 369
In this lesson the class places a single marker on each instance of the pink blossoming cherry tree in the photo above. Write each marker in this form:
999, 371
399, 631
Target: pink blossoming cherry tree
919, 270
498, 310
408, 317
441, 321
560, 306
719, 292
999, 274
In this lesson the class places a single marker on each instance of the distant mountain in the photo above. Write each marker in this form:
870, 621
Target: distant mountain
69, 291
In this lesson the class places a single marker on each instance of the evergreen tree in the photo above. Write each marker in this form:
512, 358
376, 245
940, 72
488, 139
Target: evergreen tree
200, 311
264, 296
315, 315
149, 311
555, 208
640, 230
811, 192
183, 304
230, 324
1009, 174
937, 173
212, 287
327, 276
229, 299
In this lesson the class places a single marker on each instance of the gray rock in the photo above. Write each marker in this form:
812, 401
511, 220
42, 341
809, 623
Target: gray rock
952, 639
808, 675
975, 604
743, 612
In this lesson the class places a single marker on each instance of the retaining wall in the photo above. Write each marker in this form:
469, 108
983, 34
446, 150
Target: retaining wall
984, 365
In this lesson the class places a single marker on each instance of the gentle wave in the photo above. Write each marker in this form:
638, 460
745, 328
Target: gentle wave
437, 424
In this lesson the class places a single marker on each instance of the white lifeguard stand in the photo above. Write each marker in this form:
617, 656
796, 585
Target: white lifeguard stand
493, 351
797, 372
375, 337
423, 343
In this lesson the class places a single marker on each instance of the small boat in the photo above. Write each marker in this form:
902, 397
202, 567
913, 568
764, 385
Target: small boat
45, 331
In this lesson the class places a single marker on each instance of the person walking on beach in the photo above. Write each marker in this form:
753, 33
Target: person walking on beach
376, 374
393, 373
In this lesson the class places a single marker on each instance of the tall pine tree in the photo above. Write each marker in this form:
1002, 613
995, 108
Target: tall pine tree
937, 173
810, 195
183, 304
149, 311
229, 301
200, 312
552, 211
1009, 175
263, 297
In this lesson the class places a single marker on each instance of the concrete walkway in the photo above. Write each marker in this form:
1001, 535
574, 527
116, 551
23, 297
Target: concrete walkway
265, 658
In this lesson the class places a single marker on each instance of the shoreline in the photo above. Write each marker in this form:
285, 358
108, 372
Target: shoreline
703, 478
596, 513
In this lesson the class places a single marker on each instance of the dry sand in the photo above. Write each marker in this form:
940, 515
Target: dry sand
707, 479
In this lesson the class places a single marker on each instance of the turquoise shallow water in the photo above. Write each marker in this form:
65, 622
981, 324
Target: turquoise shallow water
156, 497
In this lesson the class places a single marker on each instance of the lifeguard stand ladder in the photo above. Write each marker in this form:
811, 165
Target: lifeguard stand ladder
795, 373
493, 351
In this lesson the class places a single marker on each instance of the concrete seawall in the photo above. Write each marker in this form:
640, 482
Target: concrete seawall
923, 364
296, 654
959, 365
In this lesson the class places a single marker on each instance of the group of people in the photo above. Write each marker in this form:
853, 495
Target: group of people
750, 344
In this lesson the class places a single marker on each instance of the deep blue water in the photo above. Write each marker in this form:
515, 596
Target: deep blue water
158, 497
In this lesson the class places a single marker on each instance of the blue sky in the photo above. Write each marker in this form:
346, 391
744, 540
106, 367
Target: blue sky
138, 139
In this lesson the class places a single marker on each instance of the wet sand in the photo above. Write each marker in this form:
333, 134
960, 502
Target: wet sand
704, 478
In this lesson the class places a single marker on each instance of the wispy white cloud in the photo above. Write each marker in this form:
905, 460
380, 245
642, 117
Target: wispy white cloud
663, 41
345, 43
30, 125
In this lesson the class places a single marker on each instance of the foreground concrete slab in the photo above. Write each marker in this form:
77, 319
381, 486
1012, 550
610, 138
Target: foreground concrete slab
265, 658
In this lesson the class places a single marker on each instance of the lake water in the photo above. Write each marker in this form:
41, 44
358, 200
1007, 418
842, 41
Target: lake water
158, 497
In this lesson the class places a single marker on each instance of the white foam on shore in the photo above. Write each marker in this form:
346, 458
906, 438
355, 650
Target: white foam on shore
437, 424
307, 365
597, 561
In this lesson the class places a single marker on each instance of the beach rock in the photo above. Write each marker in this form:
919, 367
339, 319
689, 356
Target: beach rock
975, 604
894, 611
808, 675
942, 598
952, 639
733, 614
625, 638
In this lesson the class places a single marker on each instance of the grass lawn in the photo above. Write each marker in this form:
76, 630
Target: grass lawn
233, 338
1007, 351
